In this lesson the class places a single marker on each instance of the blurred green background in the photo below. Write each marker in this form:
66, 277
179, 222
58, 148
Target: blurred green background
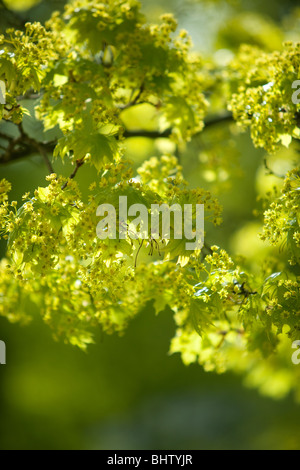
128, 393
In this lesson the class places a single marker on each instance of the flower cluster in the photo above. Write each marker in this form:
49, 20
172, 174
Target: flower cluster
262, 99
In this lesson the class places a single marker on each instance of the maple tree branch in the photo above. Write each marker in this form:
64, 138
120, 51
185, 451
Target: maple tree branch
25, 146
134, 101
209, 122
38, 146
78, 165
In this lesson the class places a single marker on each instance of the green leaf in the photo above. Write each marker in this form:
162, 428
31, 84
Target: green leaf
102, 148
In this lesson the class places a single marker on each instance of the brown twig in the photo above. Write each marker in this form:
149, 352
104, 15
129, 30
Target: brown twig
79, 164
39, 147
134, 101
209, 122
23, 146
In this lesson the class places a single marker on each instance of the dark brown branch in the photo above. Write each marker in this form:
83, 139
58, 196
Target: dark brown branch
209, 122
147, 134
134, 101
39, 147
23, 146
44, 153
218, 119
79, 164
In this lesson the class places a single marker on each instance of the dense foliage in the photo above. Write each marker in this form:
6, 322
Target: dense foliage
84, 71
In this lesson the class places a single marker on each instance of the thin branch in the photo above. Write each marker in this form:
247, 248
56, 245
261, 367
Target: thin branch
147, 134
18, 153
79, 164
218, 119
44, 154
134, 101
23, 146
39, 147
209, 122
